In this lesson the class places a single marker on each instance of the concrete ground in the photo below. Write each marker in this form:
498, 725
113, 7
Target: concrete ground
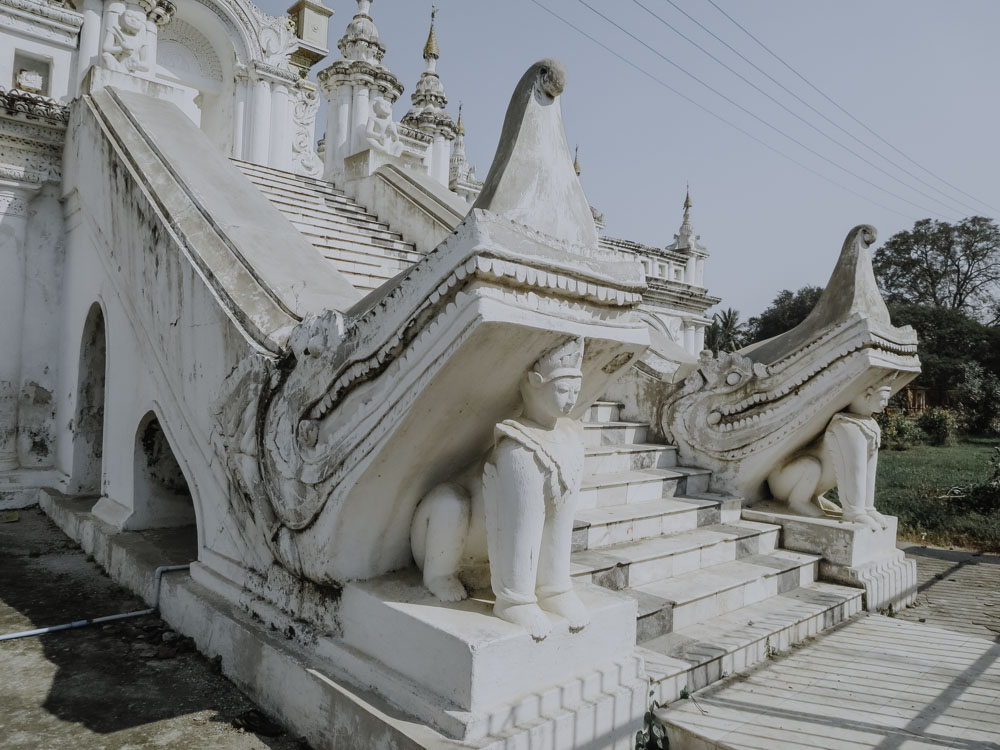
128, 684
958, 590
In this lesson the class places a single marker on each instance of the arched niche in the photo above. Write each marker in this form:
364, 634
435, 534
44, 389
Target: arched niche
88, 417
199, 51
161, 496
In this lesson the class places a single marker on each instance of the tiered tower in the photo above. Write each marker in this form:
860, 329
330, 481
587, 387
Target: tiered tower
350, 84
688, 242
461, 174
428, 114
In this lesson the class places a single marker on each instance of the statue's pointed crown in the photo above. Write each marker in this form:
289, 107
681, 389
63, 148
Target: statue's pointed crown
564, 361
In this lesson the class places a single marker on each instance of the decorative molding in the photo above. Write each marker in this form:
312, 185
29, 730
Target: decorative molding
33, 106
41, 20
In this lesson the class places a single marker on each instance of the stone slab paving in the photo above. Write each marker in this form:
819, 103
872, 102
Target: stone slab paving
877, 683
958, 590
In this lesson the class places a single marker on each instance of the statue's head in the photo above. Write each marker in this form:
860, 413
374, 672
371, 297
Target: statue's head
132, 21
380, 106
552, 385
874, 399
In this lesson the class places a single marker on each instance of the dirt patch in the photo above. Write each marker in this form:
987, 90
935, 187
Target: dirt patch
128, 684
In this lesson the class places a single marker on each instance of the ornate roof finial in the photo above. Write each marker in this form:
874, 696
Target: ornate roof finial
687, 198
576, 160
431, 48
459, 126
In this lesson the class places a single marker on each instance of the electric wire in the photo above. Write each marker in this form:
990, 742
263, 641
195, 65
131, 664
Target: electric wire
757, 117
842, 109
717, 116
805, 103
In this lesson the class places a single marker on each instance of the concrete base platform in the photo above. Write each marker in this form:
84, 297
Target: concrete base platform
324, 689
876, 682
852, 554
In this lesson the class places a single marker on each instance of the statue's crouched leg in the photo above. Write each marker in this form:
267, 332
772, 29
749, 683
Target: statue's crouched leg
797, 482
438, 536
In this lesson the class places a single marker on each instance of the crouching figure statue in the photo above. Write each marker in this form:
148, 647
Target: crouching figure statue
516, 506
845, 456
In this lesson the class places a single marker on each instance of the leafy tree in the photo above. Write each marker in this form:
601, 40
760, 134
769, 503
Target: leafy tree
787, 311
951, 266
726, 332
948, 339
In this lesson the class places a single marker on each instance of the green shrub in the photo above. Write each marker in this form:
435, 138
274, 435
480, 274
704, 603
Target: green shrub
985, 497
898, 432
978, 395
939, 425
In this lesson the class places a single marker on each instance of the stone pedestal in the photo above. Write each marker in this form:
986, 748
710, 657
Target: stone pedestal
852, 555
472, 675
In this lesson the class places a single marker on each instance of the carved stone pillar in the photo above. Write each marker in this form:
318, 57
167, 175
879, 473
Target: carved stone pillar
338, 131
13, 224
260, 124
281, 142
90, 37
361, 110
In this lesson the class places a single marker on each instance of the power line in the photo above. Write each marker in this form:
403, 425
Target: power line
838, 106
717, 116
778, 130
802, 101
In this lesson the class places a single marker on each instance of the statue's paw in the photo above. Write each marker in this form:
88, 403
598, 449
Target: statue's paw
528, 616
446, 588
828, 506
862, 519
878, 518
568, 605
808, 509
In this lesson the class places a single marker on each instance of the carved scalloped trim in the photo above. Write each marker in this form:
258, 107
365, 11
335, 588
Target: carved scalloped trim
480, 267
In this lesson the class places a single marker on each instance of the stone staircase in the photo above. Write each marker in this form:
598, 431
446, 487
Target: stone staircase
715, 593
358, 245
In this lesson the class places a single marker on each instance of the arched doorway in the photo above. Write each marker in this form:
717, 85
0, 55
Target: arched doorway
88, 419
161, 496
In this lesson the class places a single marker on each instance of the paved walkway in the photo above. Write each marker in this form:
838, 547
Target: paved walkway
959, 591
877, 683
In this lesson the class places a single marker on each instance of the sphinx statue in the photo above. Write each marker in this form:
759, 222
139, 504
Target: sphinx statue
515, 507
845, 456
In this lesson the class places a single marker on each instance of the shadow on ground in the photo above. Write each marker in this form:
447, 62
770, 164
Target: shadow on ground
135, 679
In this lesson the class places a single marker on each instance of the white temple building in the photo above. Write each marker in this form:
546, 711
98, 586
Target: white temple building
461, 451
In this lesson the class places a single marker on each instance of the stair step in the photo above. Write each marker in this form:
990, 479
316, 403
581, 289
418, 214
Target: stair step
603, 411
323, 225
681, 601
609, 459
273, 173
332, 205
596, 528
636, 563
691, 658
614, 433
641, 485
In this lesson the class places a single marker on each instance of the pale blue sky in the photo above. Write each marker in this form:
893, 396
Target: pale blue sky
922, 74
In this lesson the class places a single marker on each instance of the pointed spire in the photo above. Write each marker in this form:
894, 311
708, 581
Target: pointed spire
431, 48
459, 126
687, 199
576, 160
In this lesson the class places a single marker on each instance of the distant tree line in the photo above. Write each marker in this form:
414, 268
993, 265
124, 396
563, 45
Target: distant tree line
944, 280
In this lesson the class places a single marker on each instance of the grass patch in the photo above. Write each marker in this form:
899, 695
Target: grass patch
923, 487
